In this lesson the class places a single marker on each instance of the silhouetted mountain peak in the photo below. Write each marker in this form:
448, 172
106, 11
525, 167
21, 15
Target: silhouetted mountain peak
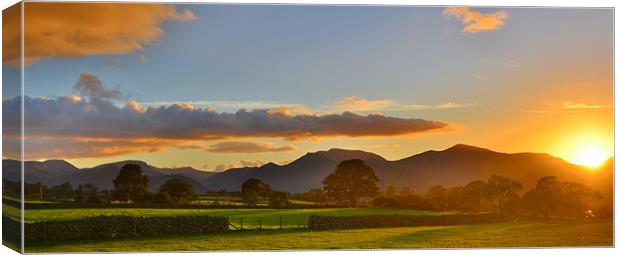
339, 155
270, 164
465, 147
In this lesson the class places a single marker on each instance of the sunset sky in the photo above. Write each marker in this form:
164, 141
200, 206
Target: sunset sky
166, 83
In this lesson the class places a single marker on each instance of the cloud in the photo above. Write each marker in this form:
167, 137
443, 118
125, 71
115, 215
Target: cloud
98, 126
69, 117
71, 126
568, 107
357, 104
68, 148
247, 147
58, 30
242, 163
90, 86
574, 105
475, 21
236, 105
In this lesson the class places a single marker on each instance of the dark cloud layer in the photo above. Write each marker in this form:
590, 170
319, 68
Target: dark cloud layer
97, 118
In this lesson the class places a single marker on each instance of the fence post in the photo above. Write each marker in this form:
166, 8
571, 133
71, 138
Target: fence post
44, 230
280, 221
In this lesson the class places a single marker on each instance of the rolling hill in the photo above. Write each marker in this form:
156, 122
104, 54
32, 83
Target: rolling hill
55, 172
454, 166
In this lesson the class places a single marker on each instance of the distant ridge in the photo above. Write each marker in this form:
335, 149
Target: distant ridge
456, 165
54, 172
453, 166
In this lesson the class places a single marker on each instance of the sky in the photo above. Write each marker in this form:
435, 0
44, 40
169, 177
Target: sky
220, 86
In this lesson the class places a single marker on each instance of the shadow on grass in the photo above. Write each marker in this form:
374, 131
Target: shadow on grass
232, 233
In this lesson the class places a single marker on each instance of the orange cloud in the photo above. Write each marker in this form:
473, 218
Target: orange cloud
57, 30
476, 21
247, 147
70, 148
574, 105
242, 163
357, 104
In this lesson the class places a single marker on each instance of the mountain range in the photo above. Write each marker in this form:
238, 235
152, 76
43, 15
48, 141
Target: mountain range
454, 166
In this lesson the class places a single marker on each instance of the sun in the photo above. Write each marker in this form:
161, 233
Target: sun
590, 156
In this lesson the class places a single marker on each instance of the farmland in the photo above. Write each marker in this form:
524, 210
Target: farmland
550, 233
268, 218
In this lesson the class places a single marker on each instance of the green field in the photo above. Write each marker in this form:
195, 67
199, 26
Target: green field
270, 218
552, 233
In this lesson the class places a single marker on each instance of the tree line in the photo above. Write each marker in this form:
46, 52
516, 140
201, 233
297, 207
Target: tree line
130, 186
351, 184
353, 181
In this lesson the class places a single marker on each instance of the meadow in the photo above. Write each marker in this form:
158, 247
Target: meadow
534, 233
252, 218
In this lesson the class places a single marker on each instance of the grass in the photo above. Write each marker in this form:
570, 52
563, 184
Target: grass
291, 218
552, 233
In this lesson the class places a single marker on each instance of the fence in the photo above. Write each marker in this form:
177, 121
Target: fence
316, 222
260, 223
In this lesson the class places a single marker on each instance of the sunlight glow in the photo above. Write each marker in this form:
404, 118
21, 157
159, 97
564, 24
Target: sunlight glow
588, 149
590, 157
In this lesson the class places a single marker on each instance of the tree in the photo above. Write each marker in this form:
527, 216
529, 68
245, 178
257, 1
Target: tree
179, 190
253, 189
390, 191
163, 198
437, 196
577, 196
545, 196
261, 188
473, 196
62, 192
313, 195
250, 197
500, 190
130, 185
86, 193
351, 181
455, 198
405, 191
279, 198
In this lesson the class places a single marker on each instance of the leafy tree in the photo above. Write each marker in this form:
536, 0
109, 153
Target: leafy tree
577, 196
163, 198
86, 193
250, 197
383, 201
455, 198
545, 197
500, 190
279, 198
390, 191
61, 192
130, 185
261, 188
179, 190
351, 181
313, 195
405, 191
473, 196
437, 196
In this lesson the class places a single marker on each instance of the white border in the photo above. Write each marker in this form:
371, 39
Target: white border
508, 3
